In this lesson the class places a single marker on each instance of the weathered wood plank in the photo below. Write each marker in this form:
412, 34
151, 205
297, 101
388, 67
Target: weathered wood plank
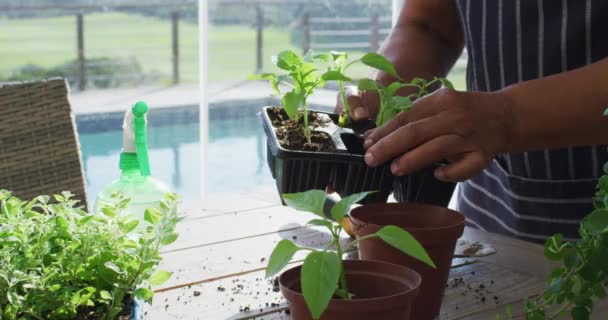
225, 227
205, 263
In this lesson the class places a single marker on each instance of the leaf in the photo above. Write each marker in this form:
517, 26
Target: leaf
311, 201
367, 85
291, 102
287, 60
321, 223
143, 293
152, 215
446, 83
61, 222
401, 103
580, 313
105, 295
378, 61
405, 242
280, 257
340, 209
320, 274
108, 211
159, 277
339, 57
554, 249
169, 238
596, 222
130, 226
112, 266
334, 75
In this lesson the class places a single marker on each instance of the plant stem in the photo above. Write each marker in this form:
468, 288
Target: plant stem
343, 93
306, 128
558, 312
339, 251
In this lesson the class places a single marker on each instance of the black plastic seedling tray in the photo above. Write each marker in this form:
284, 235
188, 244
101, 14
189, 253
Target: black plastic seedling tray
423, 187
344, 169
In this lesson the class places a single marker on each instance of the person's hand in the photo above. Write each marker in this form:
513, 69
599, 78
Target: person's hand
362, 105
466, 128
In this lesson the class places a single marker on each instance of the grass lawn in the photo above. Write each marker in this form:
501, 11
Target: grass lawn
52, 41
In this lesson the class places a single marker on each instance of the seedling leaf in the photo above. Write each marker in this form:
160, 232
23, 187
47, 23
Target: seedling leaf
287, 60
405, 242
280, 257
334, 75
378, 61
340, 209
291, 102
367, 85
320, 223
311, 201
319, 278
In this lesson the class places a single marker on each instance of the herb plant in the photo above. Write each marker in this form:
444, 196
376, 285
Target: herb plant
582, 275
322, 274
59, 262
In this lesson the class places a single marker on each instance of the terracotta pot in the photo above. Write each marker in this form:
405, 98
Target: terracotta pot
383, 291
436, 228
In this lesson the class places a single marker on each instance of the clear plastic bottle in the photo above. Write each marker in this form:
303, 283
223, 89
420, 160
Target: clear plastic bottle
135, 181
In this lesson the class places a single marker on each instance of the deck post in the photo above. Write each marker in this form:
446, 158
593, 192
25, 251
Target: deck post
259, 38
374, 37
175, 45
306, 32
81, 62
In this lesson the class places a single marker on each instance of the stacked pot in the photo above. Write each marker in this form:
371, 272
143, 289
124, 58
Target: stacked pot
388, 284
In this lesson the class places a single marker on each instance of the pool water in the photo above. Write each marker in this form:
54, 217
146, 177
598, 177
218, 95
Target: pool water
236, 156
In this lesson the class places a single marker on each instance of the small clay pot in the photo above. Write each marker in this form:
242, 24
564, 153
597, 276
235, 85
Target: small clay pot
436, 228
382, 291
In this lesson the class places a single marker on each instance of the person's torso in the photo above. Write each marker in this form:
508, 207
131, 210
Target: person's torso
533, 194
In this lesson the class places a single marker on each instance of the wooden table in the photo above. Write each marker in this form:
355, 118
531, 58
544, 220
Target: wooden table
218, 264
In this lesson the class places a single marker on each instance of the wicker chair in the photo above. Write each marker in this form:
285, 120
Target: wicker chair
39, 148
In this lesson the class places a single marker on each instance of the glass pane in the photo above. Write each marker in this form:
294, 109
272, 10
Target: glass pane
114, 53
242, 39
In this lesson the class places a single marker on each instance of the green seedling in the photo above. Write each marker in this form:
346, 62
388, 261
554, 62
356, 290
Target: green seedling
338, 65
392, 104
303, 78
322, 274
59, 261
581, 276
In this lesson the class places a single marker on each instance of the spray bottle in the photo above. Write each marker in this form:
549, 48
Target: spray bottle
135, 181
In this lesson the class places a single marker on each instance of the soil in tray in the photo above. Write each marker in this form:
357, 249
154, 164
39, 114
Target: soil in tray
291, 134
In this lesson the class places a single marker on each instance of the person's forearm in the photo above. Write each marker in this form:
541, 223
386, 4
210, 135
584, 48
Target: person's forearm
426, 41
559, 111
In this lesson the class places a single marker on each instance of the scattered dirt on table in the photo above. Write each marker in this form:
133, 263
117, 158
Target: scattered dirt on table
473, 249
291, 133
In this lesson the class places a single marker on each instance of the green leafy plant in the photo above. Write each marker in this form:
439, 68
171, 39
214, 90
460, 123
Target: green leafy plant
58, 261
390, 103
303, 77
582, 274
322, 274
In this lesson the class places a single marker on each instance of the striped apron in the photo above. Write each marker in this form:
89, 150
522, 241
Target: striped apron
535, 194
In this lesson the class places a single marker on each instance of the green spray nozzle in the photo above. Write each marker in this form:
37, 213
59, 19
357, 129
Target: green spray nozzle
141, 136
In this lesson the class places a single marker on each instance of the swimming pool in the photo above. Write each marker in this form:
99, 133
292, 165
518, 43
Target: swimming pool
236, 152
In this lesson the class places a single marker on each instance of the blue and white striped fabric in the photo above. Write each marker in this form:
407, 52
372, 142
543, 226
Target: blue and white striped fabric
535, 194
